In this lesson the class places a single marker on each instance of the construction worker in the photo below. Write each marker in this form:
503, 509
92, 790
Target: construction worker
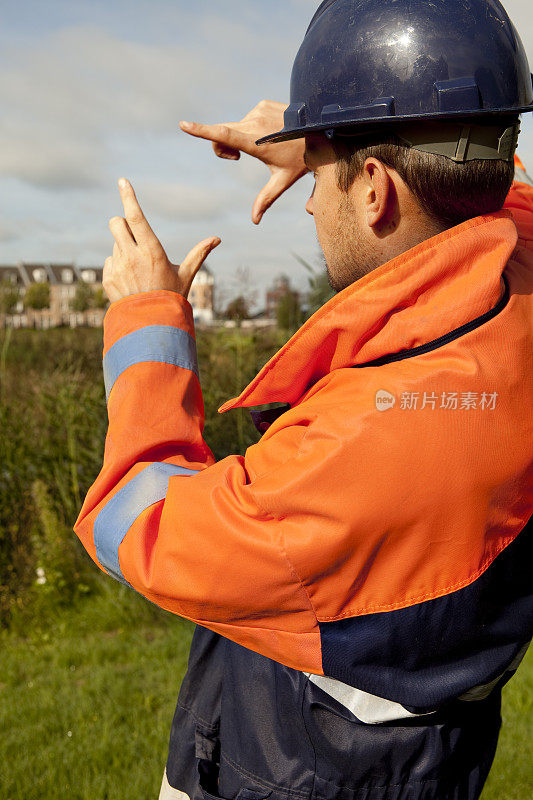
360, 578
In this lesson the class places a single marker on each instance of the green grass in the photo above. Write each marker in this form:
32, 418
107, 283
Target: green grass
86, 703
87, 698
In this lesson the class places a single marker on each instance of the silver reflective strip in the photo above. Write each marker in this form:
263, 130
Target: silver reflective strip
483, 691
372, 710
148, 487
168, 793
366, 707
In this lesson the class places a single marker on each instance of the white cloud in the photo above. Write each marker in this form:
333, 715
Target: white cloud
176, 201
64, 97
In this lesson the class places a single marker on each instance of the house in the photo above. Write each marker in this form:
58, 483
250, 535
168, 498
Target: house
63, 282
75, 296
202, 296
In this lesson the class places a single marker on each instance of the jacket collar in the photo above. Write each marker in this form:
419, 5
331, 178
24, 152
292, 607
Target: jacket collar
422, 294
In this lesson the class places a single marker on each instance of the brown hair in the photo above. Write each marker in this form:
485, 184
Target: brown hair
447, 191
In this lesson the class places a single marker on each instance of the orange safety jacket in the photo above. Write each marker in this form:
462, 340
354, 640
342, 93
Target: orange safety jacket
376, 533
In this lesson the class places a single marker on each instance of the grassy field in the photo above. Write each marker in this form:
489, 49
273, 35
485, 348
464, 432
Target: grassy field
87, 701
89, 671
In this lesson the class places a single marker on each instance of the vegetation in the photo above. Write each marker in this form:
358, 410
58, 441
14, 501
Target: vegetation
100, 299
320, 290
289, 314
89, 671
87, 698
37, 296
84, 297
237, 310
9, 297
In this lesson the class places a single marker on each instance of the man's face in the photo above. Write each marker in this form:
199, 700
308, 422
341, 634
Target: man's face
337, 217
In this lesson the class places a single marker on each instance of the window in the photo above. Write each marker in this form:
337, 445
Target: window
67, 276
39, 275
88, 275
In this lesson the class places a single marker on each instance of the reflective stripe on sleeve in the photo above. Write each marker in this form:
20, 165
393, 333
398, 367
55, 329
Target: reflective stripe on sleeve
118, 515
160, 343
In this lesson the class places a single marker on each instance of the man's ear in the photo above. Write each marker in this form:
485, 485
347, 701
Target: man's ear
378, 193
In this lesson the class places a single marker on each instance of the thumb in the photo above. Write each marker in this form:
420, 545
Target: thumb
194, 260
279, 182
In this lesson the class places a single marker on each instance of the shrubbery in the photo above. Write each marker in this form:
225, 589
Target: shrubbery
53, 420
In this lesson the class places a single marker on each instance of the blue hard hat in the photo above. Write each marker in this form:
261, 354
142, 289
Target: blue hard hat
383, 61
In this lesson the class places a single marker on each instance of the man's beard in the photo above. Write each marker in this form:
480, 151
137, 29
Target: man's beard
351, 259
349, 265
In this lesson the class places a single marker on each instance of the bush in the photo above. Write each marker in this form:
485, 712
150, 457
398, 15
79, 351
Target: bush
37, 296
53, 418
84, 297
9, 297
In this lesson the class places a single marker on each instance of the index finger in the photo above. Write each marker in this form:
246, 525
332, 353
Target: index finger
227, 135
135, 218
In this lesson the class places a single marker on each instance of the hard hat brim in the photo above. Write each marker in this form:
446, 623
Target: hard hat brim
359, 125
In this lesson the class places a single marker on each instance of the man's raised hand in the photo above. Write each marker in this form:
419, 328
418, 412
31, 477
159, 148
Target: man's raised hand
285, 159
139, 262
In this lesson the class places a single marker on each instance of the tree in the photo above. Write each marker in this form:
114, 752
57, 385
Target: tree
320, 291
37, 296
100, 299
237, 310
240, 285
289, 314
83, 299
9, 297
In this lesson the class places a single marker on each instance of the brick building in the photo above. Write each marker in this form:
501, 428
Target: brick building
64, 282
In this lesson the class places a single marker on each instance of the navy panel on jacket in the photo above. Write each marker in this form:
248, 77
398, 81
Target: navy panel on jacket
432, 652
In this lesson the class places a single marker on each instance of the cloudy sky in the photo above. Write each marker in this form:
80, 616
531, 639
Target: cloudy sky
94, 90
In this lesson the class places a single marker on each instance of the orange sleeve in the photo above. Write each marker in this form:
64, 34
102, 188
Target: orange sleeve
190, 534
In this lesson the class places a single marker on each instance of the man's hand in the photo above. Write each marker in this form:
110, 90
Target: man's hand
139, 263
285, 160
